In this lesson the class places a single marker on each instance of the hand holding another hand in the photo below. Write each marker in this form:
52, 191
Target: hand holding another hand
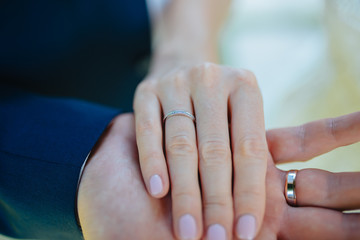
113, 203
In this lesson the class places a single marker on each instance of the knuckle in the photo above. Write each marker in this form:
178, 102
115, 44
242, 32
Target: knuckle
143, 90
249, 74
248, 195
206, 66
180, 145
151, 158
178, 80
331, 128
216, 201
332, 186
252, 146
208, 74
119, 119
145, 86
146, 127
248, 78
301, 136
182, 194
215, 152
175, 82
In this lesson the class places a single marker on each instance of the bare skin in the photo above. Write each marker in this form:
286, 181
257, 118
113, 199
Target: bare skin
114, 204
184, 75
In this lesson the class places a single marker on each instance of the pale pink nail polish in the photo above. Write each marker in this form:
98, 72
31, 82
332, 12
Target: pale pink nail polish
216, 232
156, 185
187, 227
246, 227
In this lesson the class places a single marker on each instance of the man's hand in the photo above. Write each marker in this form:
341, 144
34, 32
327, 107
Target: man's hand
321, 195
113, 202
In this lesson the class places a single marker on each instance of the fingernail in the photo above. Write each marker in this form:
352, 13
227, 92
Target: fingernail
156, 185
216, 232
187, 227
246, 227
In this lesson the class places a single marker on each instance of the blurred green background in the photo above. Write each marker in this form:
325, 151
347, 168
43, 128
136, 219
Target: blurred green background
306, 56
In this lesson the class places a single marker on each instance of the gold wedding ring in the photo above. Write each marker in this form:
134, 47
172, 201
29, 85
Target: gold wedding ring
178, 113
290, 193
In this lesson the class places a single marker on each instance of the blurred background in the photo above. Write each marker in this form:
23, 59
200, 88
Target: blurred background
306, 56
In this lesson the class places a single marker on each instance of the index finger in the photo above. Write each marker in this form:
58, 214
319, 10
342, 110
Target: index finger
304, 142
149, 140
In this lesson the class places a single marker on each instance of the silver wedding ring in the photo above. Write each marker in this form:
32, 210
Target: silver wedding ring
178, 113
290, 193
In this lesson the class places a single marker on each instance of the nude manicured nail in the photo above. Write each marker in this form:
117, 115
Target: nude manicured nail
187, 227
156, 185
216, 232
246, 227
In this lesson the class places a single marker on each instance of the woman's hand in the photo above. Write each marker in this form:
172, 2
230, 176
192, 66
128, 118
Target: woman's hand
228, 107
177, 150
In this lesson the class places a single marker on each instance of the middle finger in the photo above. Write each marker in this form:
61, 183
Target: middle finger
210, 102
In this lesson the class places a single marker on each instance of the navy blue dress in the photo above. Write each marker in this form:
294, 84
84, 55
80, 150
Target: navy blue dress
66, 69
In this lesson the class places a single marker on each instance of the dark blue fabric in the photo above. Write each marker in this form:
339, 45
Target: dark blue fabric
89, 49
43, 143
52, 52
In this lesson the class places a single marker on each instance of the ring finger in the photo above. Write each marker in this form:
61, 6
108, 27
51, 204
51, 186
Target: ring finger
181, 155
320, 188
214, 154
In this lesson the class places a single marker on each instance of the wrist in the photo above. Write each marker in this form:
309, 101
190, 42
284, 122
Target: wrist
188, 32
187, 50
168, 58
